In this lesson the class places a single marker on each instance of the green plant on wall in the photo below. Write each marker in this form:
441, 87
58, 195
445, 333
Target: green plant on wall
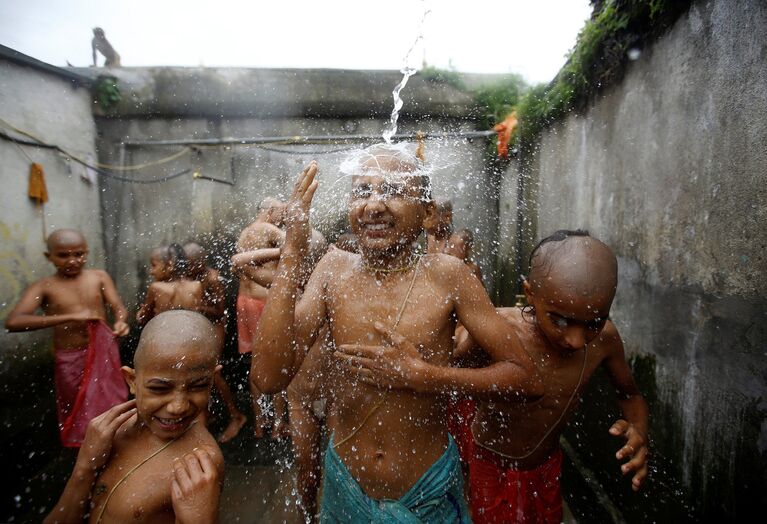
449, 77
598, 58
106, 92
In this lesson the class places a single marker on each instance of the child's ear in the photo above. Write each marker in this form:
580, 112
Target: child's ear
47, 255
129, 375
528, 289
430, 218
218, 368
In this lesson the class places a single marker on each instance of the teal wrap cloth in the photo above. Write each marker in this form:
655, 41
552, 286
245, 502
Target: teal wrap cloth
436, 498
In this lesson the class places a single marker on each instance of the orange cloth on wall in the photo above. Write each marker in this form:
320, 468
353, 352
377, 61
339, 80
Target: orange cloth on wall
37, 189
505, 130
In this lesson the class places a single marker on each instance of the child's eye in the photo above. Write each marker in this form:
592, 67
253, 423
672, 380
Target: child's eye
558, 321
392, 190
361, 192
160, 390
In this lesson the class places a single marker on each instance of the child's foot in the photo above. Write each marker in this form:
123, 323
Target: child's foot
233, 429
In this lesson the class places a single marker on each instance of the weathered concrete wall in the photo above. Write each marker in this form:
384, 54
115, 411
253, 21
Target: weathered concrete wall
668, 168
58, 112
261, 103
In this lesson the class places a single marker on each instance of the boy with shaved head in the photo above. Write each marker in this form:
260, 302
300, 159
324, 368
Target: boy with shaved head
390, 457
514, 456
74, 302
151, 459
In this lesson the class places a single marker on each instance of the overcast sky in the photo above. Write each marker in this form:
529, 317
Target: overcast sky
529, 37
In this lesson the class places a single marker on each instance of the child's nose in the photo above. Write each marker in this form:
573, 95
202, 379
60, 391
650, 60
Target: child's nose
575, 337
178, 405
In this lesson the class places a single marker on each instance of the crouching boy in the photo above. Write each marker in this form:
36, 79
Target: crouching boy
152, 459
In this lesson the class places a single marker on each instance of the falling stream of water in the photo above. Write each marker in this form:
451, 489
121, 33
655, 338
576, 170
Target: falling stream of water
407, 71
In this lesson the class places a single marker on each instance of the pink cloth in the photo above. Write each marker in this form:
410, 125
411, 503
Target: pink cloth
88, 382
249, 311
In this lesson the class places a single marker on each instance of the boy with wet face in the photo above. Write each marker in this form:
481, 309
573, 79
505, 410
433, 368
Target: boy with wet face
391, 316
514, 456
151, 459
74, 303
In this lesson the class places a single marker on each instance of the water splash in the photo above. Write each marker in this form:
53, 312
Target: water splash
407, 71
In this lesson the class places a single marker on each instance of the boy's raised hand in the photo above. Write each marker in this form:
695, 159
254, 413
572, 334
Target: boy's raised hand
396, 365
635, 449
196, 488
298, 229
97, 445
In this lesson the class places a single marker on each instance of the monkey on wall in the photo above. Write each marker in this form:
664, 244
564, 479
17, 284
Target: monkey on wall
102, 45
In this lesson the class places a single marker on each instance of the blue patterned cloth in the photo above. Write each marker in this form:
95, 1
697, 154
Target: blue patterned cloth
436, 498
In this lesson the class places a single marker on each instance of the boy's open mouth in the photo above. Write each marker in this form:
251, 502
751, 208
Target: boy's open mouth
376, 229
172, 424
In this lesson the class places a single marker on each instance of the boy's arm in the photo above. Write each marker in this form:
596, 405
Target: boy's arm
249, 265
285, 332
94, 453
146, 310
511, 377
23, 317
119, 310
214, 295
634, 426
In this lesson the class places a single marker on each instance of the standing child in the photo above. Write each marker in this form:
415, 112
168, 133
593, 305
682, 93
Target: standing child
390, 457
151, 459
214, 307
173, 287
74, 303
514, 456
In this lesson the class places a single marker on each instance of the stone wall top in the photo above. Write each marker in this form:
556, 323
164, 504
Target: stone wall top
276, 93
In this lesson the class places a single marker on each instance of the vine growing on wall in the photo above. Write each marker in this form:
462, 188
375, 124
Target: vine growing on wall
106, 92
617, 31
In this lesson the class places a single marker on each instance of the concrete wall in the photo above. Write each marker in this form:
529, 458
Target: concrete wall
58, 112
668, 168
222, 103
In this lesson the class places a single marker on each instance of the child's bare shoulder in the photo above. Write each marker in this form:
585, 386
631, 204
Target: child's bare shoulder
444, 267
337, 258
609, 340
198, 436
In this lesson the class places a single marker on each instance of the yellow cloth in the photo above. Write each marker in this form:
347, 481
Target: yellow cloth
37, 190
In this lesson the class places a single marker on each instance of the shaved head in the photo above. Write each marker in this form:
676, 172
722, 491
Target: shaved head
65, 238
178, 334
574, 263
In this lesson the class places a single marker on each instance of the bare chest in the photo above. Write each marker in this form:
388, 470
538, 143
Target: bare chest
73, 296
140, 496
415, 309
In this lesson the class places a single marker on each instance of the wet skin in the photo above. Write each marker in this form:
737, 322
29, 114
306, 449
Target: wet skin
171, 394
261, 234
565, 328
69, 298
407, 433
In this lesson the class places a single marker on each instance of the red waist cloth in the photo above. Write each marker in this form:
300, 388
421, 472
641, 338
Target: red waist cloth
88, 382
460, 415
248, 314
498, 494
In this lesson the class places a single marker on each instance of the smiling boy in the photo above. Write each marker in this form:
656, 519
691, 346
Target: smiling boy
74, 302
151, 459
390, 452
